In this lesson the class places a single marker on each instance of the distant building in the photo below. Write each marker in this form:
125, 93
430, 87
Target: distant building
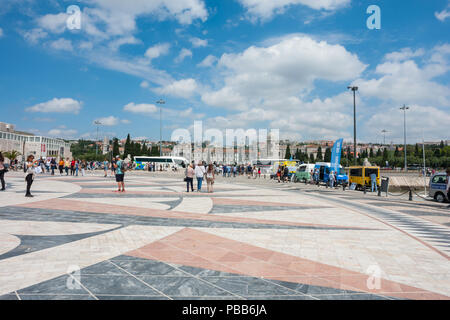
27, 144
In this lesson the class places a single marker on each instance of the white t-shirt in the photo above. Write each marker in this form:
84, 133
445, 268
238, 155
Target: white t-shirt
200, 171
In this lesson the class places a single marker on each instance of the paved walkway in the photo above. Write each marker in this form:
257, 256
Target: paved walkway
78, 239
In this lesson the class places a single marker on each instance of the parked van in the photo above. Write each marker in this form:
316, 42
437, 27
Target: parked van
303, 172
438, 185
361, 176
325, 170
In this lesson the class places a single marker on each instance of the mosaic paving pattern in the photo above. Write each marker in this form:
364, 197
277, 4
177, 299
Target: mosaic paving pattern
80, 240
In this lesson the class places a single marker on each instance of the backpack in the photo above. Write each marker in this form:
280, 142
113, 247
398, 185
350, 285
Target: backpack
123, 166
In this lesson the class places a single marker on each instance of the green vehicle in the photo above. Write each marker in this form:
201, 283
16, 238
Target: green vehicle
303, 173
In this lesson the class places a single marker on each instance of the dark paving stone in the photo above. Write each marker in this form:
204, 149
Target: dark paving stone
183, 286
209, 298
143, 267
249, 286
36, 243
56, 286
217, 209
33, 214
9, 297
206, 273
349, 297
309, 289
56, 297
102, 297
103, 268
116, 285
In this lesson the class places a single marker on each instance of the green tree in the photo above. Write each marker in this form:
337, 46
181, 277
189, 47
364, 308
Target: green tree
319, 154
396, 152
288, 153
115, 150
371, 154
127, 149
311, 158
327, 157
379, 153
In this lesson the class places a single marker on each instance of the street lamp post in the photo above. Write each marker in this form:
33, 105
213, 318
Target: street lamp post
160, 102
97, 123
354, 89
404, 108
384, 136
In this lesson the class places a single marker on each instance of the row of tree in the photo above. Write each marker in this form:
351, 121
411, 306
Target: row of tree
436, 156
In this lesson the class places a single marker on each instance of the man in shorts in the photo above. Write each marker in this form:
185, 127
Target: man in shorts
120, 175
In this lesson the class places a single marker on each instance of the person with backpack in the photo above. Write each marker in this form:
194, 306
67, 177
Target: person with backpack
120, 174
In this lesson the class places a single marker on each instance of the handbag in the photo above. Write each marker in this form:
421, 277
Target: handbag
185, 179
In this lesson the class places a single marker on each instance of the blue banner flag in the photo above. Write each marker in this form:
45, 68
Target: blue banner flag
336, 155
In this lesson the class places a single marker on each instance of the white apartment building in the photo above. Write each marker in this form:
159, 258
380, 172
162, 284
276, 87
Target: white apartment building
27, 144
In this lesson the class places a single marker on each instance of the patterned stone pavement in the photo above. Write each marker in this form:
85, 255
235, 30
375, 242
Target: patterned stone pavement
78, 239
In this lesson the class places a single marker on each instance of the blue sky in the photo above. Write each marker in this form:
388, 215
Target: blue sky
282, 64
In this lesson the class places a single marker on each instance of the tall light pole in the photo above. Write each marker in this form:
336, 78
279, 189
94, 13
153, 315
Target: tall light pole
354, 89
160, 102
97, 123
384, 136
404, 108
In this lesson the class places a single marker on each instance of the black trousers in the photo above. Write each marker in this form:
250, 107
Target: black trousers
190, 181
29, 180
2, 178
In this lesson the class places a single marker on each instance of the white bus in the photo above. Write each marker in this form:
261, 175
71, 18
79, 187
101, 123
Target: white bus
166, 162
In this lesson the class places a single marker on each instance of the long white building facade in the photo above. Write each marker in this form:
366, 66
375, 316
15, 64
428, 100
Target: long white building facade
27, 144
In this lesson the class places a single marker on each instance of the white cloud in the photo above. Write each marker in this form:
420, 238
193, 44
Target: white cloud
34, 35
197, 42
108, 121
55, 23
208, 61
421, 121
63, 133
444, 14
288, 68
62, 44
64, 105
116, 44
404, 54
144, 84
146, 109
184, 53
407, 82
265, 9
183, 88
157, 51
125, 121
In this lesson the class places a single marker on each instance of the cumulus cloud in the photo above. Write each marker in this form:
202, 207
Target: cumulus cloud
185, 88
64, 105
63, 133
62, 44
265, 9
405, 81
184, 53
145, 109
116, 44
108, 121
157, 51
287, 68
444, 14
208, 61
34, 35
197, 42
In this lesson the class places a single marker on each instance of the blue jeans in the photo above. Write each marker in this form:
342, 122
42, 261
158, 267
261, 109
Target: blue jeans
374, 186
199, 183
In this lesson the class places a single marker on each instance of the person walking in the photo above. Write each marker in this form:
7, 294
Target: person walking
61, 166
67, 166
2, 172
105, 167
120, 174
190, 172
373, 181
30, 165
77, 167
53, 165
83, 168
331, 179
210, 178
200, 174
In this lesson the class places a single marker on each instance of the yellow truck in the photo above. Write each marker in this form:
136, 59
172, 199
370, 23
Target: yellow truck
361, 176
